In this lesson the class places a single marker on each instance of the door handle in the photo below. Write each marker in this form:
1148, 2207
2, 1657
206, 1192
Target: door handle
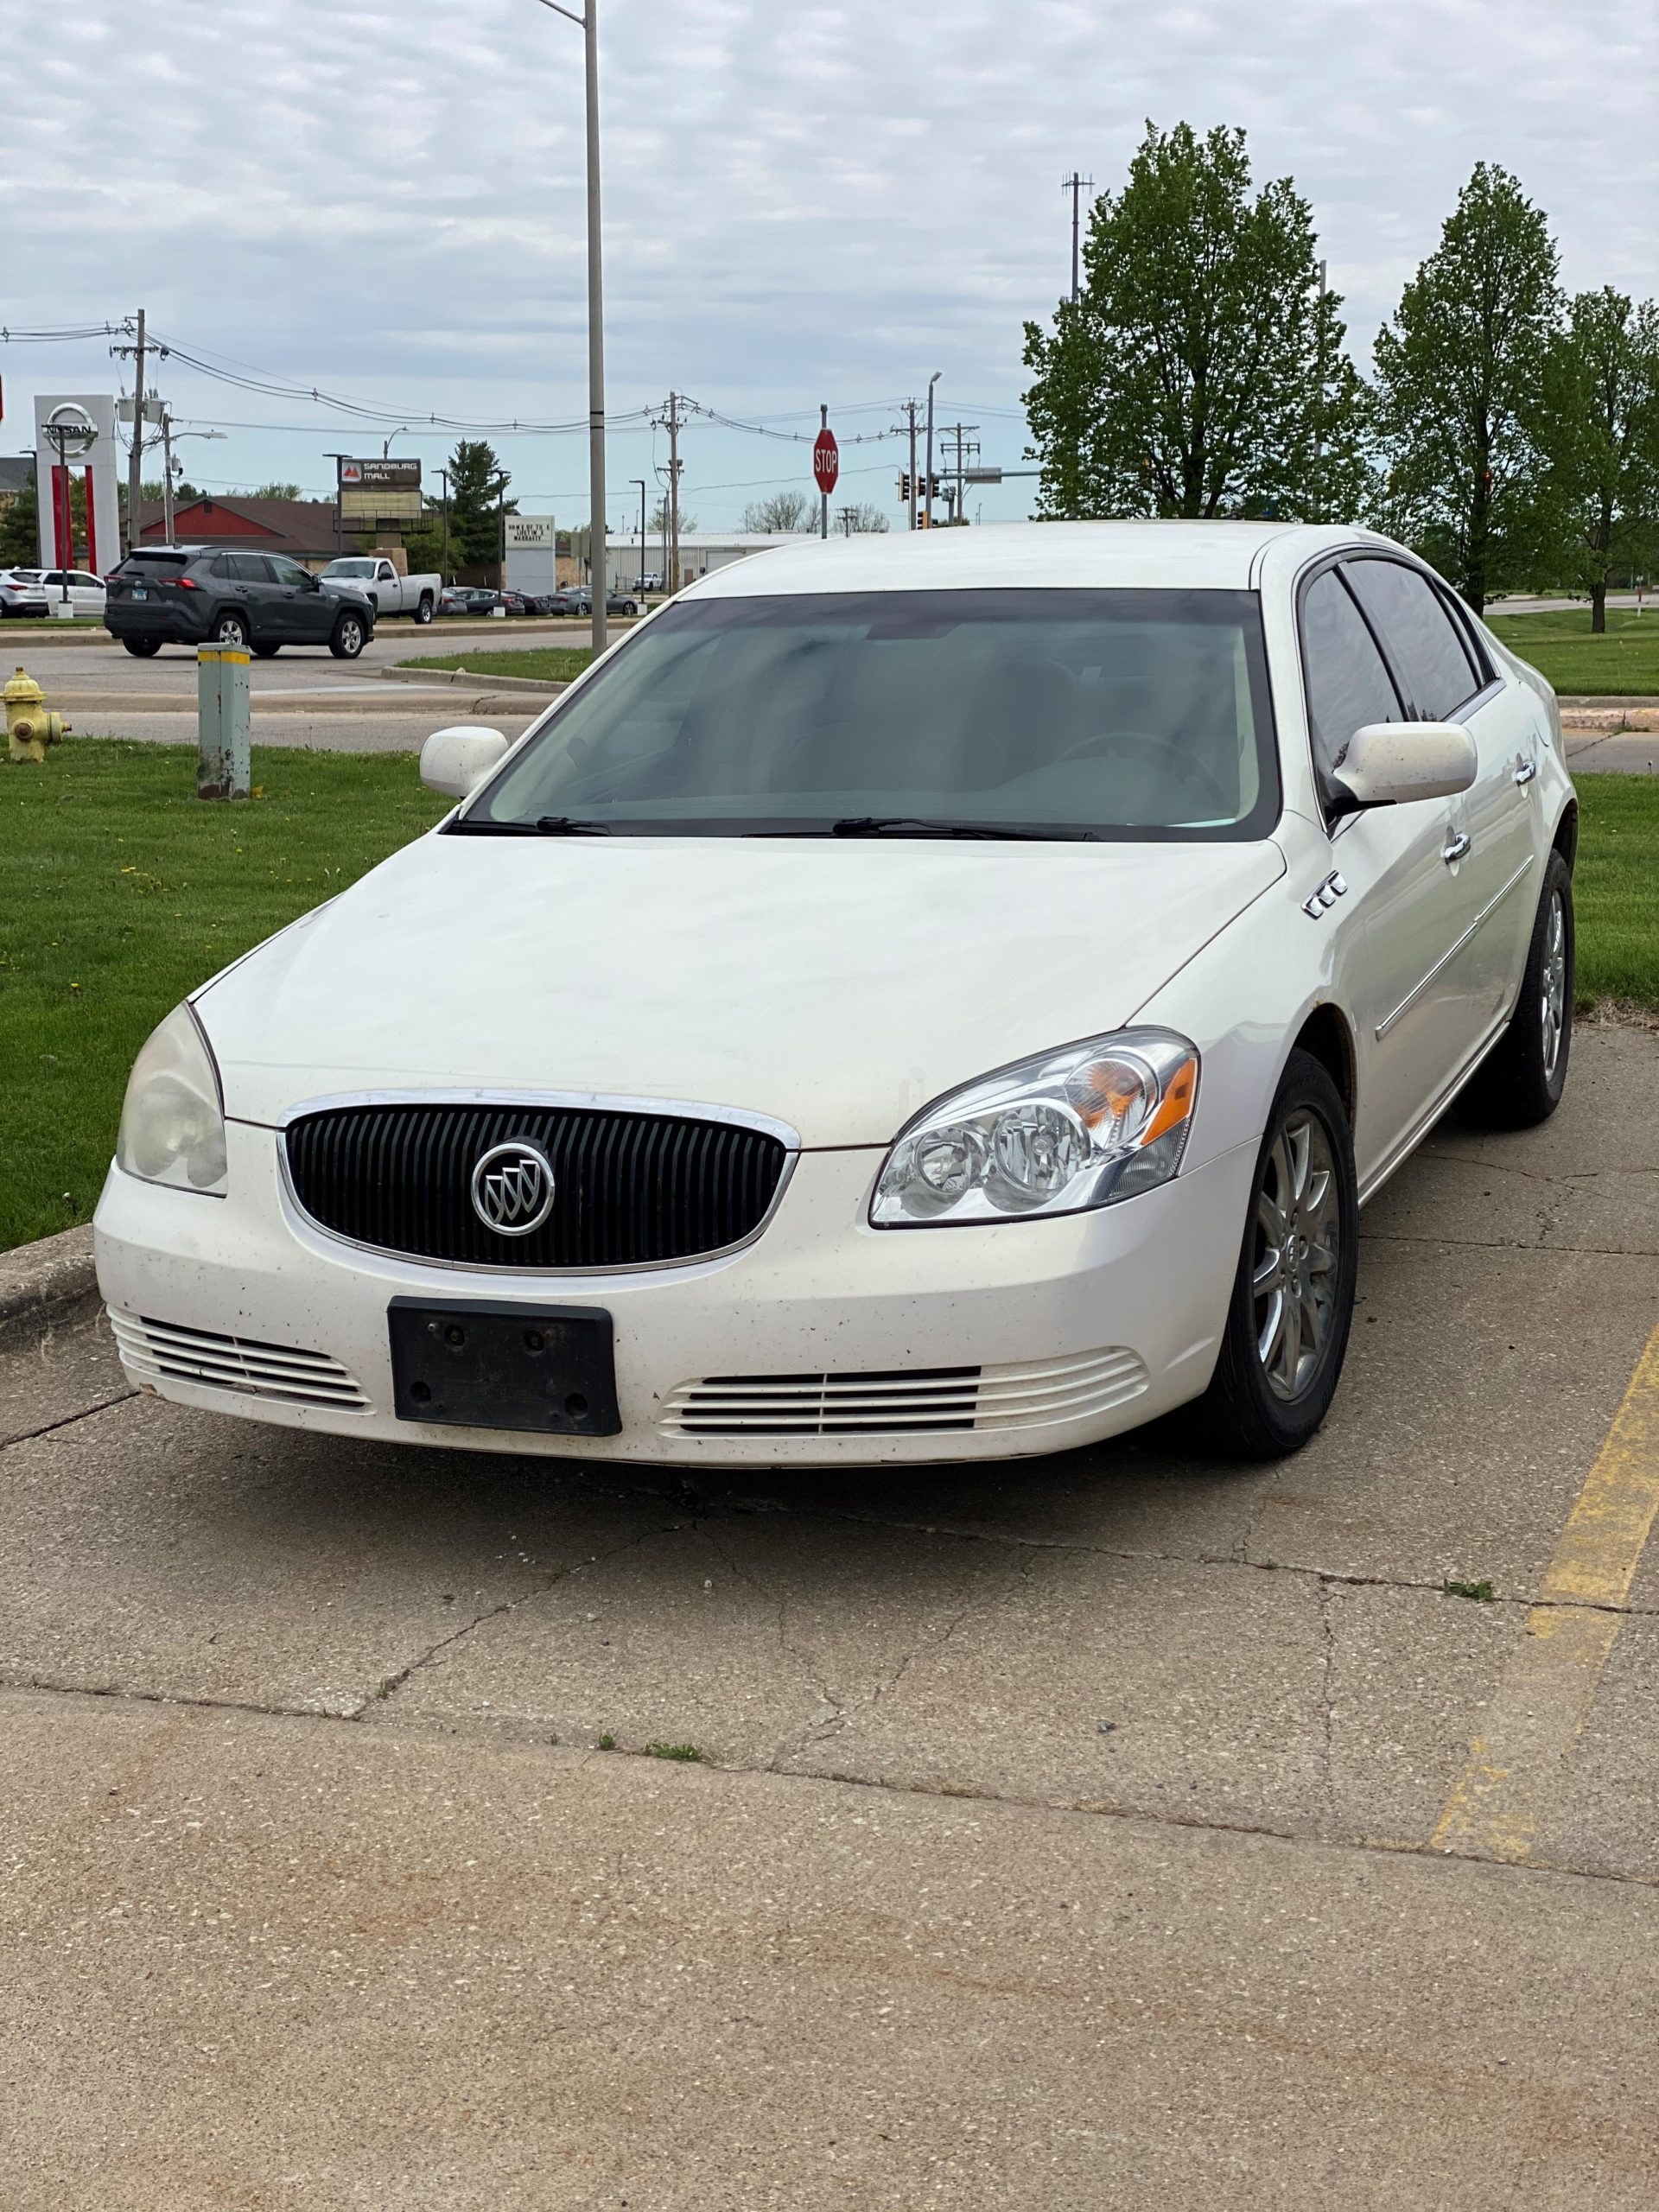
1456, 847
1525, 770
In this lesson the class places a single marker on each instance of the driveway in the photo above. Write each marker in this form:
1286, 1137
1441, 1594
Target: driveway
1116, 1830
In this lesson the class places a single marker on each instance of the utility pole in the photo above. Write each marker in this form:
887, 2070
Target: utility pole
136, 453
959, 432
913, 408
669, 420
134, 459
931, 381
1076, 186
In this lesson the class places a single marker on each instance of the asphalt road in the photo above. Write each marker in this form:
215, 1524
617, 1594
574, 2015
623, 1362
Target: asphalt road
1116, 1830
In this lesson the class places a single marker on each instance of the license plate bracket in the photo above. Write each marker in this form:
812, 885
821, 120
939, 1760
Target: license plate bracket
485, 1363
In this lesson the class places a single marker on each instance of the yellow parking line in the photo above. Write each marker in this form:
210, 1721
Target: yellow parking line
1548, 1688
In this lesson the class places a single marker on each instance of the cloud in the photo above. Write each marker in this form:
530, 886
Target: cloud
807, 202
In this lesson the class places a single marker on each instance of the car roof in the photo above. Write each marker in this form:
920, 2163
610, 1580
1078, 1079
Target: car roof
1099, 555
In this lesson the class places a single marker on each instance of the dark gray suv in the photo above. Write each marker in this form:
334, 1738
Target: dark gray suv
189, 595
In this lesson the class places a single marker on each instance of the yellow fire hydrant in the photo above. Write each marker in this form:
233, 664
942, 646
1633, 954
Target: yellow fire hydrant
29, 725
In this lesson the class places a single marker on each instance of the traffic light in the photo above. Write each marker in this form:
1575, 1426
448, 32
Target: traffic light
904, 488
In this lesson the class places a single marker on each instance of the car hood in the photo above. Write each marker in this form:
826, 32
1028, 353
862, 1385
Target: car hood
837, 985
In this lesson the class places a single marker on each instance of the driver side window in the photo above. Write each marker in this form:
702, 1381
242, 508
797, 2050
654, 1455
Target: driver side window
1347, 680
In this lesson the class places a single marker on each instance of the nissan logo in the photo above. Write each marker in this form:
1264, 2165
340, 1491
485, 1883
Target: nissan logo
512, 1188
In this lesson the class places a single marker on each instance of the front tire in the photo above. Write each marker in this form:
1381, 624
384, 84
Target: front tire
348, 639
1520, 1082
143, 648
1292, 1297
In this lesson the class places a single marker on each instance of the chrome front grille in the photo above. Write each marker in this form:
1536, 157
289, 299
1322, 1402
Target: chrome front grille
1037, 1394
157, 1350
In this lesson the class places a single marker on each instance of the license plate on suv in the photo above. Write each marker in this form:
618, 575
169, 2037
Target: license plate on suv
478, 1363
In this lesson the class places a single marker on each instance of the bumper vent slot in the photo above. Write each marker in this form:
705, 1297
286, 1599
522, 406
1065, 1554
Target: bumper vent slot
927, 1400
631, 1189
161, 1350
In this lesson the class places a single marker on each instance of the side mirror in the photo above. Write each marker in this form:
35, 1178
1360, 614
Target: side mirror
456, 761
1389, 763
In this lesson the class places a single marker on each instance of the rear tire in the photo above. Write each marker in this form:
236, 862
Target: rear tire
1292, 1297
349, 638
230, 630
143, 648
1520, 1082
423, 612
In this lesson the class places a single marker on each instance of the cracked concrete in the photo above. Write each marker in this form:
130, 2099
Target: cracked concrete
1062, 1832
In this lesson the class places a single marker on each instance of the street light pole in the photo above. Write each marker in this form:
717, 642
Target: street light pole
588, 23
640, 481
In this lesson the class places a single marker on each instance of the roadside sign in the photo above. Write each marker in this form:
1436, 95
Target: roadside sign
826, 461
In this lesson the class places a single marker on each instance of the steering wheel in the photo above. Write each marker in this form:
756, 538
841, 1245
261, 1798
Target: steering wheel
1162, 755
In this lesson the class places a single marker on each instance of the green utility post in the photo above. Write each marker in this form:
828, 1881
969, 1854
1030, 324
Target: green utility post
221, 721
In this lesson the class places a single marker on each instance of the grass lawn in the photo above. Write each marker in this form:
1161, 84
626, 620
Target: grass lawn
1561, 646
552, 664
123, 892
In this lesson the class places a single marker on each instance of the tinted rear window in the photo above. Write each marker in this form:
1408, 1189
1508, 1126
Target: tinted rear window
162, 557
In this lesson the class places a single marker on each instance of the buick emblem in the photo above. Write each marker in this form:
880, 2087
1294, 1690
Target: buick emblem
512, 1188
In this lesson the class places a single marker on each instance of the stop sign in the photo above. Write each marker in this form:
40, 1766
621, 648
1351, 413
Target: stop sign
826, 461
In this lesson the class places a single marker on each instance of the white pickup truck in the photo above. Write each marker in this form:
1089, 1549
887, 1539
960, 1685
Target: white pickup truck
373, 577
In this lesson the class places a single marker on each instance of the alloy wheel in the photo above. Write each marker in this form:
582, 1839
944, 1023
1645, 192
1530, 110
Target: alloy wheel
1553, 1007
1293, 1269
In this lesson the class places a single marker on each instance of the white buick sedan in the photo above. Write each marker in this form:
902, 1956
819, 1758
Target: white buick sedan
933, 997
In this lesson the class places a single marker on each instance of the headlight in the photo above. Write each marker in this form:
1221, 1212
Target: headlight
1080, 1127
173, 1121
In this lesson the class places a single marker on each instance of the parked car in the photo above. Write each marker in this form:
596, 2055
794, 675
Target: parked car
83, 590
652, 582
914, 1000
451, 600
188, 594
470, 599
578, 598
373, 577
21, 593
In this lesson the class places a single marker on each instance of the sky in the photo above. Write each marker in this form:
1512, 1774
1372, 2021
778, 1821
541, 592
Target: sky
804, 203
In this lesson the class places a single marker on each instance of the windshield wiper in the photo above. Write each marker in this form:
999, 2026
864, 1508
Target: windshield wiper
548, 825
916, 825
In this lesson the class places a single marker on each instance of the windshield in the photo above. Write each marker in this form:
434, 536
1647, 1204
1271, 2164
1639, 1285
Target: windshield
1138, 715
349, 568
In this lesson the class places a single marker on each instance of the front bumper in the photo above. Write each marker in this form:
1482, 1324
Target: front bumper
830, 1342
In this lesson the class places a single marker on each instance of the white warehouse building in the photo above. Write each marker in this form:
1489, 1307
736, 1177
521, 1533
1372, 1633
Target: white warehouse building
699, 551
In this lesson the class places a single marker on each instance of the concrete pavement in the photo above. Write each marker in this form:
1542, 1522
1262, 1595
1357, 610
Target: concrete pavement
1064, 1834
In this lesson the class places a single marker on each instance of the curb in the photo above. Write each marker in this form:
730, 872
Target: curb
45, 1285
549, 686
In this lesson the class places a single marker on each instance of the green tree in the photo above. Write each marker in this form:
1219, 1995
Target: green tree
659, 518
20, 540
1202, 371
476, 479
1600, 431
1460, 387
274, 491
